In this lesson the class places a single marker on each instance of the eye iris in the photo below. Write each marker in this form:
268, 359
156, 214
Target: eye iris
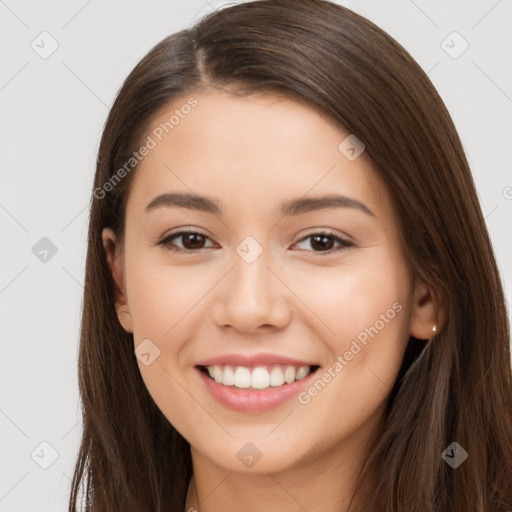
196, 238
324, 241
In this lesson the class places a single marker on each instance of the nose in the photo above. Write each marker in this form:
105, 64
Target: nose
252, 297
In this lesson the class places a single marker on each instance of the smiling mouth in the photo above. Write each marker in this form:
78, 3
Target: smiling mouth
257, 378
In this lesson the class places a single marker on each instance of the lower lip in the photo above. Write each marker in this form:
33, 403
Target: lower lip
243, 400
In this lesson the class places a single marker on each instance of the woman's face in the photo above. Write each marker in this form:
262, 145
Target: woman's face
257, 295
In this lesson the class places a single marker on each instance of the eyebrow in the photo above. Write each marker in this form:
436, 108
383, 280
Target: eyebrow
291, 207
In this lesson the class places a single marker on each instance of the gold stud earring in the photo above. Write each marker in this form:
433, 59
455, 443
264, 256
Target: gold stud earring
434, 328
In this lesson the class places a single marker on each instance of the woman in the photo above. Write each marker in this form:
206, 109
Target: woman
291, 298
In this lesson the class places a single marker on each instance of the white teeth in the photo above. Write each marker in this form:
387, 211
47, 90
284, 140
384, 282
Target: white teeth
242, 377
258, 377
301, 372
289, 375
218, 374
276, 377
229, 376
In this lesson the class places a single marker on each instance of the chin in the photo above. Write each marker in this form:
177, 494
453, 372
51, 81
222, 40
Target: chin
254, 455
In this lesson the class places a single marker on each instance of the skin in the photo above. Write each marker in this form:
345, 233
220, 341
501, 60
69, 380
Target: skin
252, 154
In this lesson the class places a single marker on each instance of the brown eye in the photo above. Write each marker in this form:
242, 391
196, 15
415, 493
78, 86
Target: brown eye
191, 241
324, 243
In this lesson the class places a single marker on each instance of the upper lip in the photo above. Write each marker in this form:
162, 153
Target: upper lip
253, 360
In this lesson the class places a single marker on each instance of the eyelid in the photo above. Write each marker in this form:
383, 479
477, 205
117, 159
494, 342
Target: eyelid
345, 243
327, 231
176, 234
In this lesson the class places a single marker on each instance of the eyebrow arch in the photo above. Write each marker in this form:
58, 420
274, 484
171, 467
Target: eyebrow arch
292, 207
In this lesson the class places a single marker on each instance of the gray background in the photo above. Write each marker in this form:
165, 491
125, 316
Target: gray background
53, 110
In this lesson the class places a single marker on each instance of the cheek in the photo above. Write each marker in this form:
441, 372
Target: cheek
163, 301
364, 310
369, 290
163, 298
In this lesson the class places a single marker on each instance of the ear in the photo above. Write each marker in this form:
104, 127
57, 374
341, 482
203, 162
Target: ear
429, 310
116, 268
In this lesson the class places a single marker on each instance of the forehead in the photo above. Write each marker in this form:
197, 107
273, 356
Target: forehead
264, 146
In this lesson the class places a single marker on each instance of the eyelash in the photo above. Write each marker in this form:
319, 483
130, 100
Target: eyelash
345, 244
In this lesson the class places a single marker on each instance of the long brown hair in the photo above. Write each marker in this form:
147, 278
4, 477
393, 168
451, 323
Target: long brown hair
457, 387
